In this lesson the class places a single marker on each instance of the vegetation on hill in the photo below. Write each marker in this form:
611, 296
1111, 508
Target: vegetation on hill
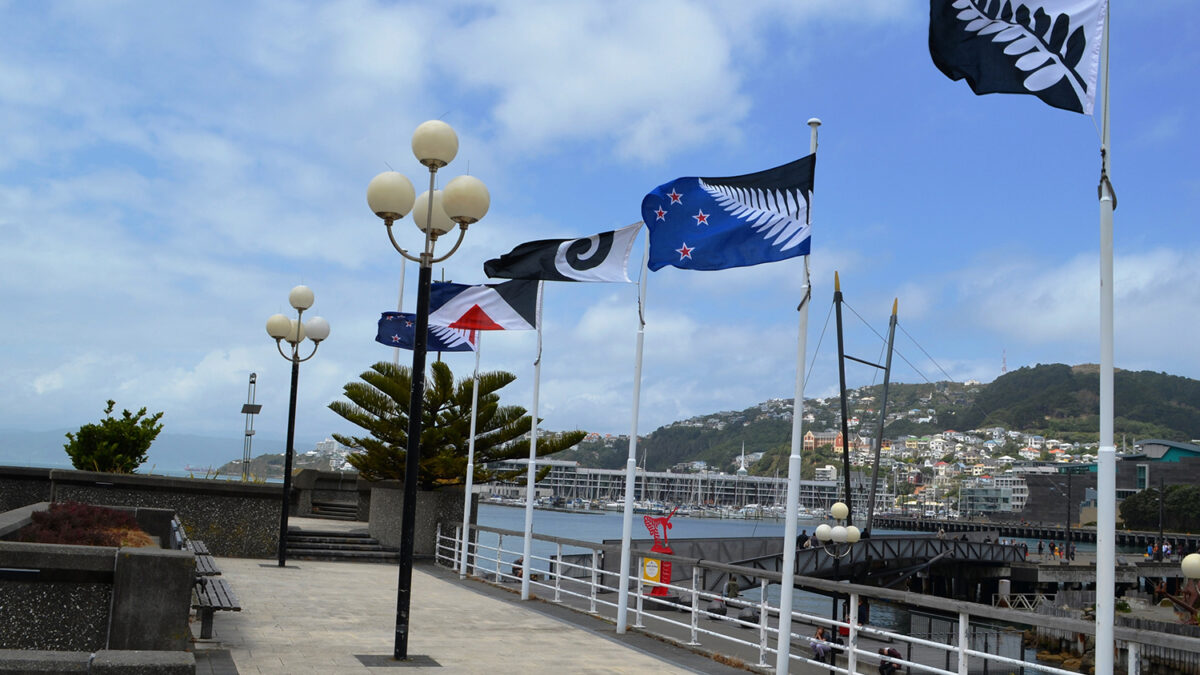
1064, 402
1053, 400
1180, 509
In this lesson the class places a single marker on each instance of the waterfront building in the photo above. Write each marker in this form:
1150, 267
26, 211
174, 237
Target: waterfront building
568, 480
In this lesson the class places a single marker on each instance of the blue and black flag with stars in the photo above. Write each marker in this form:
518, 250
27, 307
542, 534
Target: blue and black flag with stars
397, 329
718, 223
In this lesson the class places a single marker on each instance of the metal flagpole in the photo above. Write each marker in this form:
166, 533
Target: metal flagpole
1106, 481
887, 377
466, 524
527, 559
788, 565
631, 461
399, 308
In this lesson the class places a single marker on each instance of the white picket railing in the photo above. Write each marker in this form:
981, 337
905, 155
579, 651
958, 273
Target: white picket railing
580, 584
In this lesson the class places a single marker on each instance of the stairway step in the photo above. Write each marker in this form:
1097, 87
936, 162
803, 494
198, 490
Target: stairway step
328, 533
333, 540
317, 554
339, 547
350, 517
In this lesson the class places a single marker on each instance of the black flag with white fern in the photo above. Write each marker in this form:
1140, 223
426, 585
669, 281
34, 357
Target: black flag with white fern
1050, 49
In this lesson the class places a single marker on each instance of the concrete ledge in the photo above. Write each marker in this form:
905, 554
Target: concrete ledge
20, 661
11, 521
57, 556
151, 483
106, 662
113, 662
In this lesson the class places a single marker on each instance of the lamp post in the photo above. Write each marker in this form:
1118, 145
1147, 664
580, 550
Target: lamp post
837, 541
1190, 565
293, 331
1158, 551
464, 201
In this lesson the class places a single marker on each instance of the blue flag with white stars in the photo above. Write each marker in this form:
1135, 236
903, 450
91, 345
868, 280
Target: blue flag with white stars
737, 221
398, 329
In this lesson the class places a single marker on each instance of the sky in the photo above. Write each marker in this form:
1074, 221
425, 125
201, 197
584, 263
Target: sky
168, 174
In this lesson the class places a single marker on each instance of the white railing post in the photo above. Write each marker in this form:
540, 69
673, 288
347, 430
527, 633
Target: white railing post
963, 639
637, 620
852, 638
460, 556
1135, 658
499, 548
762, 623
437, 543
558, 566
695, 605
592, 600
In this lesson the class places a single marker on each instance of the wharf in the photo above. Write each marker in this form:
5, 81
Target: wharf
317, 617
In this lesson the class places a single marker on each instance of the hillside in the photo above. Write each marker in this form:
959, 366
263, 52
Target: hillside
1052, 400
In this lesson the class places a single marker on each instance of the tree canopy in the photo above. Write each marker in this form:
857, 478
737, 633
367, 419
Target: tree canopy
1181, 509
115, 445
379, 404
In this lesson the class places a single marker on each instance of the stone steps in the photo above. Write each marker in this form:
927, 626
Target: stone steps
338, 546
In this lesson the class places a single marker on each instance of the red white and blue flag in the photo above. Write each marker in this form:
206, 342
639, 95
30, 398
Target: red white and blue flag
511, 305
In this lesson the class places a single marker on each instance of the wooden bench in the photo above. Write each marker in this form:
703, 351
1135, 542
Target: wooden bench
196, 546
211, 595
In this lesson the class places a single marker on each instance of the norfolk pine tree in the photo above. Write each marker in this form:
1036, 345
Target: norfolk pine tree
379, 404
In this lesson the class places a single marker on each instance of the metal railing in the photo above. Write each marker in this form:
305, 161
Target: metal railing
578, 580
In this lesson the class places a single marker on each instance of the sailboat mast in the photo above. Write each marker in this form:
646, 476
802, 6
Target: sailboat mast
837, 303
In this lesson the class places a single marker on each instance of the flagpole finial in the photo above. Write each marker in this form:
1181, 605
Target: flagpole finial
895, 305
837, 283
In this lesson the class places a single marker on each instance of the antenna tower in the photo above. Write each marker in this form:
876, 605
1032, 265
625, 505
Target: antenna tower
1003, 361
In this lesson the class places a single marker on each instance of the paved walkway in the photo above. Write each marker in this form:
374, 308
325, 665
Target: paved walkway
317, 617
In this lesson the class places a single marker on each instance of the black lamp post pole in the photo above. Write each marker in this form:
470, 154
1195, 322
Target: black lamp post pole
412, 459
287, 459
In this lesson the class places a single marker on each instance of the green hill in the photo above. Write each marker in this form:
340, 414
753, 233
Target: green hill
1053, 400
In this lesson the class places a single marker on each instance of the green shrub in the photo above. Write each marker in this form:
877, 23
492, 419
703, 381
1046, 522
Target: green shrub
115, 445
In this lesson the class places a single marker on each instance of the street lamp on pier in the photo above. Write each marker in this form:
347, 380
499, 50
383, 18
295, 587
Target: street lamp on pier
293, 331
837, 541
464, 201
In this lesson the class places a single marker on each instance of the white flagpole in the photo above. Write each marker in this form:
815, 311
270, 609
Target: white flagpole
399, 307
527, 560
784, 644
631, 461
466, 524
1106, 476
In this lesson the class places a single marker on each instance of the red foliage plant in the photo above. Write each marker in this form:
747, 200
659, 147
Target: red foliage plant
84, 524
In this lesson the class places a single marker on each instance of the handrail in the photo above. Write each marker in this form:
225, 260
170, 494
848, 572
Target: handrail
944, 605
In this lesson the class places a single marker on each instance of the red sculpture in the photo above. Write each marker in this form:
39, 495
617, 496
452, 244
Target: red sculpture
656, 570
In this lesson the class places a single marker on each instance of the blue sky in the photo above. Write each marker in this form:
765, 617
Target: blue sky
167, 176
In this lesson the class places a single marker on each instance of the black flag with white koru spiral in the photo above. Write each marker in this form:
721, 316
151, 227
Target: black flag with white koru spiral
1049, 49
600, 257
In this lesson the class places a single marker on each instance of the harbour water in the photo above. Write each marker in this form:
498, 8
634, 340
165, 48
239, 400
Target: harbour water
598, 526
601, 525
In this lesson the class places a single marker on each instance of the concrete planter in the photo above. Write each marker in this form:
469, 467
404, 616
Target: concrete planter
444, 507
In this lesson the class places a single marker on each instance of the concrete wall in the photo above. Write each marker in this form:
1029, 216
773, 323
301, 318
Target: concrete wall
59, 597
310, 485
434, 507
22, 486
235, 519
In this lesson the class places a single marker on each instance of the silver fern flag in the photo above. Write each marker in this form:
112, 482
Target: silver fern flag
1050, 49
718, 223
